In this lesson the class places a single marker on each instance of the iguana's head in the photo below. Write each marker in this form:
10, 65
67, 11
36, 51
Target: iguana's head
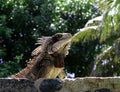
58, 43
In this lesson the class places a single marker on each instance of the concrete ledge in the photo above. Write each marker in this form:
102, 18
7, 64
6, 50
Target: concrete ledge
92, 84
86, 84
16, 85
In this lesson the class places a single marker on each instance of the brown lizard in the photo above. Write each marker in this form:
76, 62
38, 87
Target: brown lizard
48, 58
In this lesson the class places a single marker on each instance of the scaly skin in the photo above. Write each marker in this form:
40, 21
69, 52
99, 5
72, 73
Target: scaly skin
48, 58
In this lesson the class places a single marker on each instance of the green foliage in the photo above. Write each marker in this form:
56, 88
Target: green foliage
111, 11
108, 62
110, 25
4, 30
5, 33
111, 33
9, 68
81, 57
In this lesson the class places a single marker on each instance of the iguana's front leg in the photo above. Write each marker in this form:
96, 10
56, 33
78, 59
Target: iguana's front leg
62, 74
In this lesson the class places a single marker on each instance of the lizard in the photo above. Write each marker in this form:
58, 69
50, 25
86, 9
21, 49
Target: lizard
48, 58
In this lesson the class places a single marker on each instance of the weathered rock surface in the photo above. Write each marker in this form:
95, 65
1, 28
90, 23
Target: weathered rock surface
16, 85
86, 84
92, 84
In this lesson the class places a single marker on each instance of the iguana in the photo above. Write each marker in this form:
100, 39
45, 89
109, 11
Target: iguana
48, 58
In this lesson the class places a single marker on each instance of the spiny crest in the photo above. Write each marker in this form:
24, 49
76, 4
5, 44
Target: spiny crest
42, 42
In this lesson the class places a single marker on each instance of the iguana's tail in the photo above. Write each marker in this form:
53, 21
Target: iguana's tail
24, 71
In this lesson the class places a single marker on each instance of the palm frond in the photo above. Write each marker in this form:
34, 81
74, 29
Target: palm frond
104, 54
91, 30
109, 27
111, 23
86, 34
104, 5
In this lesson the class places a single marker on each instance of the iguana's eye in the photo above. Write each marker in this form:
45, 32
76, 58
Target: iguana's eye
57, 37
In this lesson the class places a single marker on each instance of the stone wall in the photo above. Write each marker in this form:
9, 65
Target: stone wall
86, 84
